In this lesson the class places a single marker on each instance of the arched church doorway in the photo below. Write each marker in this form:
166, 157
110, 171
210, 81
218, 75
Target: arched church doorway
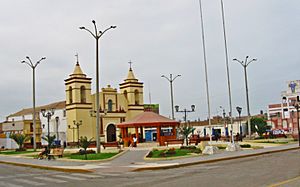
111, 133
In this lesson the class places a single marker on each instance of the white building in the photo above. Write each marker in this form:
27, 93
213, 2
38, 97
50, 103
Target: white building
22, 122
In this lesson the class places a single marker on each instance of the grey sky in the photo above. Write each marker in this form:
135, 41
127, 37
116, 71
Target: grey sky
159, 37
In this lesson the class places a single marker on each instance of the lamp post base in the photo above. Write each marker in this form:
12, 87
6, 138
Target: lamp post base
233, 147
210, 150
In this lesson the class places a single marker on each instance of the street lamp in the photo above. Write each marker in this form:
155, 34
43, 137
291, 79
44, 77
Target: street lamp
48, 115
239, 110
57, 133
97, 35
225, 122
33, 66
296, 104
73, 129
185, 111
171, 80
77, 124
101, 115
245, 64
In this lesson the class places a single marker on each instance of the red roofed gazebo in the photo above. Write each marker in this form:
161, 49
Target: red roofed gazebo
149, 119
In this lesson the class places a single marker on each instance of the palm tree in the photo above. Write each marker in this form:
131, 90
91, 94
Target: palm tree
85, 143
50, 140
186, 131
20, 140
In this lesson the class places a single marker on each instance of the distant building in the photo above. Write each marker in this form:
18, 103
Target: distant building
283, 115
152, 108
219, 125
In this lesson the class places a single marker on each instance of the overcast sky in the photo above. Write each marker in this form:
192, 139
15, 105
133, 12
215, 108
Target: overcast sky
159, 37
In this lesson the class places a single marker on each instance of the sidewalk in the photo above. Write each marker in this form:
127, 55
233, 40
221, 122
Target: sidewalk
133, 160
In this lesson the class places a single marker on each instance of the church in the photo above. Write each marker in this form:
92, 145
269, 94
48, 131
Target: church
115, 106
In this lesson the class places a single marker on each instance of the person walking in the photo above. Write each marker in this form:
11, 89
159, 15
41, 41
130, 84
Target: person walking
134, 141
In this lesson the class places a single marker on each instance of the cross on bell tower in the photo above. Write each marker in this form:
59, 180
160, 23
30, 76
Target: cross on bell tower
130, 65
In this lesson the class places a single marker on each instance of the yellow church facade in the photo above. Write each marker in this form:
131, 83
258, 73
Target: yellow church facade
115, 106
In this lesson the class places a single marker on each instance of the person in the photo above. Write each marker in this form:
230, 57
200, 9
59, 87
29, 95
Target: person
43, 153
134, 141
241, 137
237, 137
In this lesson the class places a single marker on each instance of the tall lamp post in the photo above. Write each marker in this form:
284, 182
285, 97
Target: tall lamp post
33, 66
57, 133
48, 115
97, 35
227, 68
171, 80
239, 110
77, 124
296, 104
245, 64
185, 111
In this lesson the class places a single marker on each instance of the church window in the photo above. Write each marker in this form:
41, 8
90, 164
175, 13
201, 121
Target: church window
136, 96
125, 94
110, 104
70, 95
82, 94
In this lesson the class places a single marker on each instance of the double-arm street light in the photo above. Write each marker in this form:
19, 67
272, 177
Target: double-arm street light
48, 115
296, 104
33, 66
185, 111
245, 64
73, 129
171, 80
97, 35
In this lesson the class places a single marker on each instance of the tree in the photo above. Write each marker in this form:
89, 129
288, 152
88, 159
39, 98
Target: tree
50, 140
20, 140
259, 125
186, 131
85, 143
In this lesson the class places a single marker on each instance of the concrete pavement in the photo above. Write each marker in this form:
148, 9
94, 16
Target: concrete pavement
132, 159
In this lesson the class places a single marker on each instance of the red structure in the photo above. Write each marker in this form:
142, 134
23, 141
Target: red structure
148, 119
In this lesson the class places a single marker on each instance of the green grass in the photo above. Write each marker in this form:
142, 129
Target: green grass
98, 156
178, 152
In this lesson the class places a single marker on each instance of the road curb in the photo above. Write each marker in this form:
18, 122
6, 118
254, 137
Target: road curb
212, 160
77, 170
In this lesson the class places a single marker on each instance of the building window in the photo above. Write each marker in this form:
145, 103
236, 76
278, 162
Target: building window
110, 104
136, 97
82, 94
70, 95
64, 113
125, 94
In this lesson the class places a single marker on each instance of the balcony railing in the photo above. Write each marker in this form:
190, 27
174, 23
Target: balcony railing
38, 131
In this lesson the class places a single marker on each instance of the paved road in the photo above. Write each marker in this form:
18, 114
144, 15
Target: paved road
281, 169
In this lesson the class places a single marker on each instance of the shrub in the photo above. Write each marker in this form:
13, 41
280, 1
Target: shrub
171, 151
82, 152
245, 146
150, 154
188, 147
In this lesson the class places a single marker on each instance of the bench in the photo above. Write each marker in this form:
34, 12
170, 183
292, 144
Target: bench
56, 152
175, 141
110, 144
194, 141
